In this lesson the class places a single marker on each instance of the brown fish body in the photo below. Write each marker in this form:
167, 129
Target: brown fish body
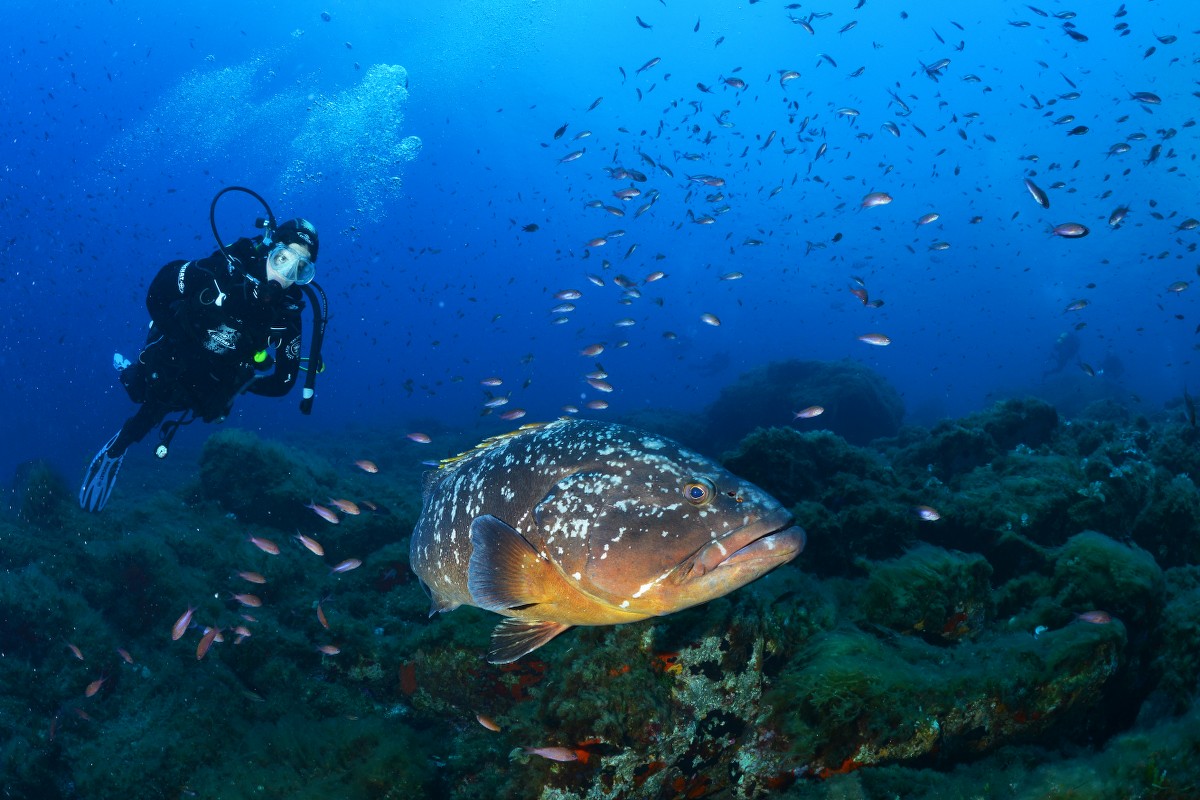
579, 522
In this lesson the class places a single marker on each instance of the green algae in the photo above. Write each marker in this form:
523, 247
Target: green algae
837, 662
1092, 571
938, 594
262, 482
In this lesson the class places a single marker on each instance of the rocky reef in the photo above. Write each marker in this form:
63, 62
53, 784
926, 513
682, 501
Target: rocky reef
1000, 606
859, 404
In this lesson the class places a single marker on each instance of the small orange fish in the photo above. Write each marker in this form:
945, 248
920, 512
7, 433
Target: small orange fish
366, 466
323, 512
181, 624
597, 405
313, 545
346, 566
599, 385
329, 649
553, 753
75, 651
345, 506
251, 577
808, 413
592, 350
250, 600
420, 438
266, 545
206, 642
124, 654
1095, 617
94, 687
321, 616
487, 722
516, 413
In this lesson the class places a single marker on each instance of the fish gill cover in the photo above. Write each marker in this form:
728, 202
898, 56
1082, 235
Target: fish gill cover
923, 274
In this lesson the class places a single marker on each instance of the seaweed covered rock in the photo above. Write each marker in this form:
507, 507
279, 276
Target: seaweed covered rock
260, 481
796, 466
954, 447
940, 595
1044, 498
844, 496
860, 405
852, 700
42, 496
1177, 661
1028, 421
1176, 448
1094, 572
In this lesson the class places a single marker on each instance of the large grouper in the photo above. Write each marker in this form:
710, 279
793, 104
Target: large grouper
578, 522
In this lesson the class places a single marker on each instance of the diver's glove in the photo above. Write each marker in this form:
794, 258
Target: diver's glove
100, 478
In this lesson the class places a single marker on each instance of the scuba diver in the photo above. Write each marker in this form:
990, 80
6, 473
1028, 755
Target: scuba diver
214, 324
1065, 348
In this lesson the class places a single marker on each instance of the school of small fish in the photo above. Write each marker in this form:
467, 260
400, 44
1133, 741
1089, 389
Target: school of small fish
239, 602
693, 136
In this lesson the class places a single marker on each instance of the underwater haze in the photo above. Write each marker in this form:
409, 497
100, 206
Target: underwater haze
926, 272
420, 139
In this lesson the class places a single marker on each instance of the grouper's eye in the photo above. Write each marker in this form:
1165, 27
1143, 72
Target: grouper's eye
699, 491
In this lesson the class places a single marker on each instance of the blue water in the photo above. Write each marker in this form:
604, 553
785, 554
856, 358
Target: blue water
122, 119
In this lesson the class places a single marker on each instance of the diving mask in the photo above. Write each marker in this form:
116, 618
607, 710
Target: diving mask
290, 265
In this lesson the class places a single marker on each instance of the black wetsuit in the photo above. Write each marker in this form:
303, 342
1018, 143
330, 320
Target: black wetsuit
208, 320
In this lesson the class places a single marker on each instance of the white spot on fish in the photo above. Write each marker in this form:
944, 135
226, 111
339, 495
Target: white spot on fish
645, 587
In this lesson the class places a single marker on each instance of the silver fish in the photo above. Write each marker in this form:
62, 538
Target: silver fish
579, 522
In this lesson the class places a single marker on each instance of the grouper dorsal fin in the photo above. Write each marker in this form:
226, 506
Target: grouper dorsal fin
506, 573
488, 444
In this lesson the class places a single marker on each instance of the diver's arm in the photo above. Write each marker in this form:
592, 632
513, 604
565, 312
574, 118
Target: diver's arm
287, 362
178, 287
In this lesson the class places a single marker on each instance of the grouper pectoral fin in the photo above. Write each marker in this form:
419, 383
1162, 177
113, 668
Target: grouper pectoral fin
506, 573
514, 638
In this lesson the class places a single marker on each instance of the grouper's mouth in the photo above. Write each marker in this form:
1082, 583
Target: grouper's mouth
756, 548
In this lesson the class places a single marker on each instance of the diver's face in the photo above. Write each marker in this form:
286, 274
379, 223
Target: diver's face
282, 263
